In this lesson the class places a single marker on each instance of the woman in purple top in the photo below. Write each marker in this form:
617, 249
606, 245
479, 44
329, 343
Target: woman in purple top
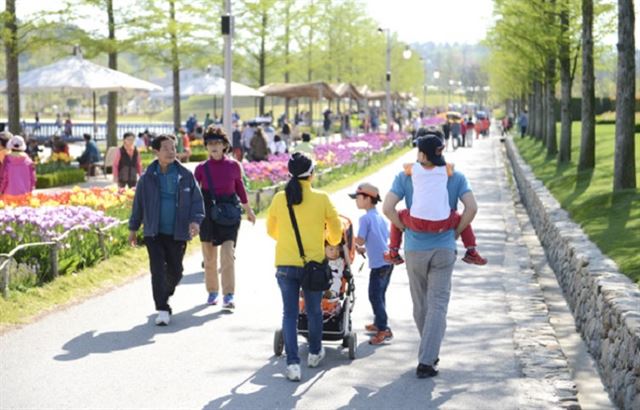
225, 175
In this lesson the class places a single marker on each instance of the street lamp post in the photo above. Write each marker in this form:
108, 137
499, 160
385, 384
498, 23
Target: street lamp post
227, 33
388, 77
436, 76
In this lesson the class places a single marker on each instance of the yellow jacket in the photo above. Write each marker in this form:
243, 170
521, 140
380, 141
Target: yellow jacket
315, 211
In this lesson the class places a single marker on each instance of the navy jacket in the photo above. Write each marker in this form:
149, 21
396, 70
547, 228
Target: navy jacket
146, 203
91, 154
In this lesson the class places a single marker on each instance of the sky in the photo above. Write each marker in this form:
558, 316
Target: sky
440, 21
415, 21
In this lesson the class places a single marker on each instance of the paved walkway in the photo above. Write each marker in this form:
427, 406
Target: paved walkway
498, 353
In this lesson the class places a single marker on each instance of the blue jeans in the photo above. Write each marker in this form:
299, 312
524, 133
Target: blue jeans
289, 278
378, 284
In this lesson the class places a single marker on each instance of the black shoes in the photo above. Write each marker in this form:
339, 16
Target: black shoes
424, 371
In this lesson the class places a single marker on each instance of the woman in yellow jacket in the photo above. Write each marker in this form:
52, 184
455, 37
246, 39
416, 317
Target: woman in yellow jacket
313, 210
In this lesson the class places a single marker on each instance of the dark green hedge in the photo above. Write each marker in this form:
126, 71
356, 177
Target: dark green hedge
199, 156
60, 178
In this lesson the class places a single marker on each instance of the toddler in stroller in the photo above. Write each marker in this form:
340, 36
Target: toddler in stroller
337, 301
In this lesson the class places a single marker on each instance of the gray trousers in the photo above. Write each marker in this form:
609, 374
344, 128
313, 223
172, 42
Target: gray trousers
430, 284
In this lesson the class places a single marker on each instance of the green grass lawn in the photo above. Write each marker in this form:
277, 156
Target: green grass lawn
611, 220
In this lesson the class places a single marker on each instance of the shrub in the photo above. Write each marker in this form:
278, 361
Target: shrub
62, 177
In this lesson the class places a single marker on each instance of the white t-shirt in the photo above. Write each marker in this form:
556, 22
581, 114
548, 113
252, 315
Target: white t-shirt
337, 268
278, 147
430, 195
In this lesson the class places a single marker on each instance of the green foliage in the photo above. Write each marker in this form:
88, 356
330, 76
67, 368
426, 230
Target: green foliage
526, 33
67, 176
611, 220
198, 155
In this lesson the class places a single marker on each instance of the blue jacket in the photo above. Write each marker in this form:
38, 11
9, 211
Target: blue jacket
91, 154
146, 203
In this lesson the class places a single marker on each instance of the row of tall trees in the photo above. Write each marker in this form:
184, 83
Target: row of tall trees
537, 43
275, 41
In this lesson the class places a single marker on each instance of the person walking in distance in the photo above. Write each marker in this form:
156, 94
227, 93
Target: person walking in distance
127, 164
430, 258
169, 204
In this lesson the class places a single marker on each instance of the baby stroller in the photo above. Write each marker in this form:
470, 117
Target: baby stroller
336, 312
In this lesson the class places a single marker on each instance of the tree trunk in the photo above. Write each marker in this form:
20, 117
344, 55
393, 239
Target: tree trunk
175, 65
587, 158
539, 124
532, 110
565, 80
287, 34
624, 170
551, 135
112, 99
11, 55
262, 58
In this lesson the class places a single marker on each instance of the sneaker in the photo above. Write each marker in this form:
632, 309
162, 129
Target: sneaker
314, 359
227, 301
293, 372
381, 337
392, 256
163, 318
424, 371
472, 256
371, 327
213, 298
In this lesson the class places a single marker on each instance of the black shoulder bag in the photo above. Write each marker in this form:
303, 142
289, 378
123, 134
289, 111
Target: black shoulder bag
225, 210
317, 275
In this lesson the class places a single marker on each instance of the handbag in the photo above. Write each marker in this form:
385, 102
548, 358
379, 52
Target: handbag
317, 275
225, 210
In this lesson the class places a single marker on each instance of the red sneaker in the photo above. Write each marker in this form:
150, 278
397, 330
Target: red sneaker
371, 327
473, 257
381, 337
393, 257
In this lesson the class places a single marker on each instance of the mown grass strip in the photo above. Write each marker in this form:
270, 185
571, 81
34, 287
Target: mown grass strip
612, 221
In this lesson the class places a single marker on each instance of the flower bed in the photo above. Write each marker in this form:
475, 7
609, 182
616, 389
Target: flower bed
45, 217
347, 151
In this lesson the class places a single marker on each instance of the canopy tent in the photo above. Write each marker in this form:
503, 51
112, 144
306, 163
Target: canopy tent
76, 74
317, 90
376, 95
210, 85
382, 95
347, 90
363, 90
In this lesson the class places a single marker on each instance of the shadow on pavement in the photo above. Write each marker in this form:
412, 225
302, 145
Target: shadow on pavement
275, 390
141, 335
368, 398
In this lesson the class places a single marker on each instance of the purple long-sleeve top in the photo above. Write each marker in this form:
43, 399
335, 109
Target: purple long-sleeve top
226, 175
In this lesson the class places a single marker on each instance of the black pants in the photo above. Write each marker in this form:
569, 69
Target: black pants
165, 261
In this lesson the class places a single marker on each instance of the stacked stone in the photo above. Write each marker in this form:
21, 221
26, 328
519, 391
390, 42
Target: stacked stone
547, 381
604, 302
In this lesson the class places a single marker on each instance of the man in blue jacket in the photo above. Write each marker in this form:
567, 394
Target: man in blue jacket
89, 156
169, 204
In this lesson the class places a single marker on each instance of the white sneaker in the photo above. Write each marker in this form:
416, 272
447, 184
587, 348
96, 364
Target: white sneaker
163, 318
314, 359
293, 372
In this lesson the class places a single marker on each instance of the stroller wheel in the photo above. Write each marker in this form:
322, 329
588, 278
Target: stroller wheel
353, 344
278, 342
345, 341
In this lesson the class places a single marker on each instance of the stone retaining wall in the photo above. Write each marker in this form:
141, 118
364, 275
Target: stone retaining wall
604, 302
